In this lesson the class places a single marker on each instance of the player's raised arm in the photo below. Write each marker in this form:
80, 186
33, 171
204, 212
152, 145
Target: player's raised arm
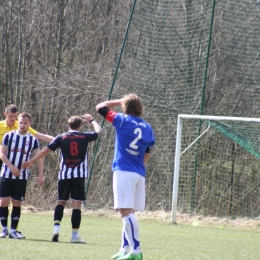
109, 104
40, 136
89, 119
44, 137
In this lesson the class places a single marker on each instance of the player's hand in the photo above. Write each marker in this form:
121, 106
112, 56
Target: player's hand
27, 165
40, 180
87, 118
15, 171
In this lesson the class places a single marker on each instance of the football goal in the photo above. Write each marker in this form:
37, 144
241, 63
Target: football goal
216, 168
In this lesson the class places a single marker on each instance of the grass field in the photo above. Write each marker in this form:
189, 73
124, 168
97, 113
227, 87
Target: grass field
159, 240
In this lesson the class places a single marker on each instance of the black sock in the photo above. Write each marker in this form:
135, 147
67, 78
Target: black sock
4, 216
15, 217
76, 218
58, 214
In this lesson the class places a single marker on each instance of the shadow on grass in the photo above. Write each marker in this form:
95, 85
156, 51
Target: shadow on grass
60, 242
44, 240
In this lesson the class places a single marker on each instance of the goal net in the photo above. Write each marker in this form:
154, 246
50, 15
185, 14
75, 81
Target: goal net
216, 171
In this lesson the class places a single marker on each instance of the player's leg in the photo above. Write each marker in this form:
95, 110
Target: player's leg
5, 192
124, 187
4, 216
124, 247
131, 227
18, 195
77, 196
120, 192
4, 211
15, 218
63, 196
11, 206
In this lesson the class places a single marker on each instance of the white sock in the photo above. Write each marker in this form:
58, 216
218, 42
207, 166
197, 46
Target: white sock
12, 230
56, 229
124, 243
75, 234
131, 230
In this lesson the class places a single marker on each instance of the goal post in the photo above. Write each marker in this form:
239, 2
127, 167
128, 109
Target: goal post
240, 131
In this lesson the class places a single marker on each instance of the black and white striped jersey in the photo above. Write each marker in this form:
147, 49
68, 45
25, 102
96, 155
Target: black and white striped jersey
19, 150
73, 153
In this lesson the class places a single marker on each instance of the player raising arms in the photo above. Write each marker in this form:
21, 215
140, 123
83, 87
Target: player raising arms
134, 137
73, 170
17, 147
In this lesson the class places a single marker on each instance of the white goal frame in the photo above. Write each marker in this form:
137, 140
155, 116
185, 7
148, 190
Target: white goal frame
178, 149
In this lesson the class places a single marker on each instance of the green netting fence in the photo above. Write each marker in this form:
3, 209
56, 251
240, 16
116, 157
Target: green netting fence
195, 57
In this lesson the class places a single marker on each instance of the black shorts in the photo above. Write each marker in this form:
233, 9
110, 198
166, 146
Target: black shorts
14, 188
1, 163
75, 188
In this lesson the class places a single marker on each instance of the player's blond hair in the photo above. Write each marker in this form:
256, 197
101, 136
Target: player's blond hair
132, 105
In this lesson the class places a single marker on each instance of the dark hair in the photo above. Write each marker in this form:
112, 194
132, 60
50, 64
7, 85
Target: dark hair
11, 108
74, 122
132, 105
25, 115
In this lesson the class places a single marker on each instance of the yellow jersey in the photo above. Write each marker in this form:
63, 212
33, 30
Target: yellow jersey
4, 128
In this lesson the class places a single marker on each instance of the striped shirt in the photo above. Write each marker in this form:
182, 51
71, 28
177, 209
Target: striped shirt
19, 150
73, 153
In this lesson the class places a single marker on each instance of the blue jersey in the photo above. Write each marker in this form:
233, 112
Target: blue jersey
133, 136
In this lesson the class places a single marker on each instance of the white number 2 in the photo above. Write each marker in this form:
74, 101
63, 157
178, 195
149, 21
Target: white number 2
138, 132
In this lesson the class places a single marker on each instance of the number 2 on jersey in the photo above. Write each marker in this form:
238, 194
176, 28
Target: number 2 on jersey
138, 132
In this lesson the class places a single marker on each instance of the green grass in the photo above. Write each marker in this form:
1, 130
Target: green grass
159, 240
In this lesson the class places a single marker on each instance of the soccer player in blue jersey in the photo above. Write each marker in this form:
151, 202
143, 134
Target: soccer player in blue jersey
134, 138
73, 170
17, 147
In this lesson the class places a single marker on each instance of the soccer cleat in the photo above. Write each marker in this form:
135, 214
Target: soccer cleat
4, 233
16, 235
131, 256
117, 255
55, 237
19, 233
79, 240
